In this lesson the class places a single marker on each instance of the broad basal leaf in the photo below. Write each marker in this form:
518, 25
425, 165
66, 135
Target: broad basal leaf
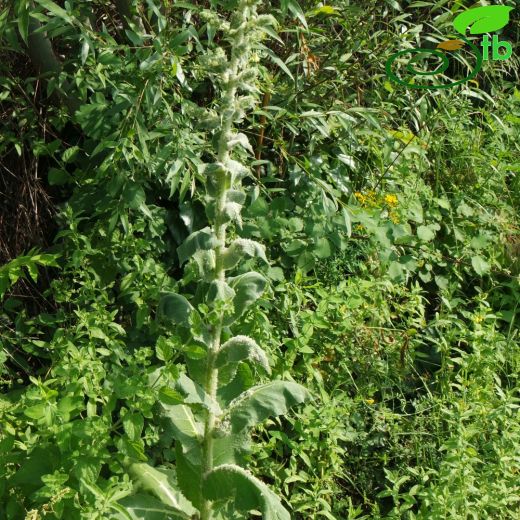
247, 492
155, 481
263, 401
482, 20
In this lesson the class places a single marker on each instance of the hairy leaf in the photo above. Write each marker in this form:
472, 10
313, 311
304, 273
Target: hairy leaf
233, 482
195, 394
187, 429
241, 348
263, 401
204, 239
248, 288
156, 482
175, 308
243, 247
146, 507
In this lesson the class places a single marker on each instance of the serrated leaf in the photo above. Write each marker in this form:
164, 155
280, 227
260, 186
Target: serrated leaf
175, 308
260, 402
240, 248
241, 348
133, 424
248, 288
152, 480
204, 239
482, 20
233, 482
169, 396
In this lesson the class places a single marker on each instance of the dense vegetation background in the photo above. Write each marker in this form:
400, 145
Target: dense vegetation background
390, 218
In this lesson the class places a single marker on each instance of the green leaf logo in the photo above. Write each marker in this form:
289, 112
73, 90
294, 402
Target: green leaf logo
483, 19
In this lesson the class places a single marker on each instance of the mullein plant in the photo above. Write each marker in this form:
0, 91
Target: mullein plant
212, 408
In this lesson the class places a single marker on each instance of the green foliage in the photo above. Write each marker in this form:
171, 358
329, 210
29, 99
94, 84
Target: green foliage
367, 252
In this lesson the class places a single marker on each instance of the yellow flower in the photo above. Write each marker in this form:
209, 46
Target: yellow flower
394, 217
391, 200
369, 401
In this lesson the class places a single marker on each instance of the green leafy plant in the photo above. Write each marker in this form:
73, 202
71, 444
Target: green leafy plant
215, 407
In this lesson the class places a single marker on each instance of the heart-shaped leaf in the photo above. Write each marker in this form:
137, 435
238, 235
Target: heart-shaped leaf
482, 20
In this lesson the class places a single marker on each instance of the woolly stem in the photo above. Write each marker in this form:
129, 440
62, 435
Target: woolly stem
229, 100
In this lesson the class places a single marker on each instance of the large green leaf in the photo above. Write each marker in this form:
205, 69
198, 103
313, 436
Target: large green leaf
248, 288
186, 428
241, 348
146, 507
189, 475
152, 480
220, 291
263, 401
203, 239
240, 248
247, 492
482, 20
175, 308
195, 394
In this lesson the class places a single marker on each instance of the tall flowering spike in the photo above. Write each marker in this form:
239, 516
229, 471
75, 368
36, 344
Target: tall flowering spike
211, 433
